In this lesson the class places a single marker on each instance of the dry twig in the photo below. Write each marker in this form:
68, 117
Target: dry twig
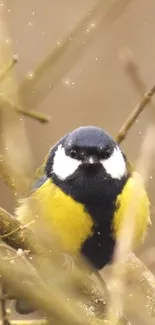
17, 235
42, 118
7, 68
135, 113
133, 71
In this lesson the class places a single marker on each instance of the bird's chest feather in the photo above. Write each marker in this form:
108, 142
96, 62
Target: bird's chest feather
88, 204
65, 216
99, 195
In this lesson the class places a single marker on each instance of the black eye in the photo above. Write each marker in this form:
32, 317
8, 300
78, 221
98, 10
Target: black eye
73, 153
106, 153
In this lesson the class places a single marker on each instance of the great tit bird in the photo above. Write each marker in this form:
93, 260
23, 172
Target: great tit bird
84, 192
83, 195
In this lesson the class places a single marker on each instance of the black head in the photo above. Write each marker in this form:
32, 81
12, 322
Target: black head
88, 150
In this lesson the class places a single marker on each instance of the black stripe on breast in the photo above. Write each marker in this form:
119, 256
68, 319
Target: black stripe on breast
98, 195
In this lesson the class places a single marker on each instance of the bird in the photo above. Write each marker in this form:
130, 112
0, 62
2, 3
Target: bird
84, 192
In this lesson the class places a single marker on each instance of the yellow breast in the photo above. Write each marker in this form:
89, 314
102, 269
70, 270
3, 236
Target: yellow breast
66, 217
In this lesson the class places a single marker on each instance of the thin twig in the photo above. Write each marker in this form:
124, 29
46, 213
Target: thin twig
8, 67
42, 118
121, 135
28, 322
133, 72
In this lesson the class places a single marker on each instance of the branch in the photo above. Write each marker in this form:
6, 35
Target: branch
133, 116
29, 322
133, 71
46, 322
7, 68
122, 133
42, 118
34, 115
16, 235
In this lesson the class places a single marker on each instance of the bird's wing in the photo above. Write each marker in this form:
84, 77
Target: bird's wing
39, 177
139, 207
38, 183
39, 173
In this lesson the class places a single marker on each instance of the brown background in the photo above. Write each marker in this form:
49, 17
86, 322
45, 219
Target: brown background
99, 91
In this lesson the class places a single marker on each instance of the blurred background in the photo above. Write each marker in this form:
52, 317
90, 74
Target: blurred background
96, 90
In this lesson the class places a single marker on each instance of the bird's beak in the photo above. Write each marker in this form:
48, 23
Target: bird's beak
91, 160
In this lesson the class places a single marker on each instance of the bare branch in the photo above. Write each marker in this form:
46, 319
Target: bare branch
42, 118
121, 135
17, 235
133, 71
29, 322
8, 67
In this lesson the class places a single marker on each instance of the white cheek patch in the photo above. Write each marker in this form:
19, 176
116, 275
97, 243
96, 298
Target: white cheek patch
63, 165
115, 165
